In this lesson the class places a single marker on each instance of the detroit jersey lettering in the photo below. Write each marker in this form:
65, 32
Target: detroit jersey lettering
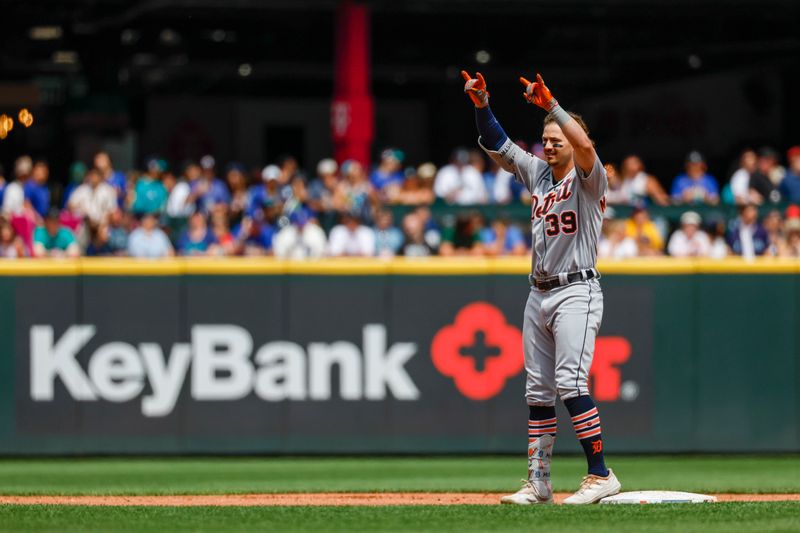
566, 216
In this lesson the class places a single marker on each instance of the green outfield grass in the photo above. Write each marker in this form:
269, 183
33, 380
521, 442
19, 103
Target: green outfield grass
444, 474
722, 517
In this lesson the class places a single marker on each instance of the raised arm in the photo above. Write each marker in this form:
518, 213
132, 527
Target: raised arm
492, 135
537, 93
493, 139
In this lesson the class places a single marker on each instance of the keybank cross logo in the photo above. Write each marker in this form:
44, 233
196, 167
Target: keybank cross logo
480, 351
605, 376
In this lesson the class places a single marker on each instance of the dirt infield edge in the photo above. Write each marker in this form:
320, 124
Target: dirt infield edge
318, 499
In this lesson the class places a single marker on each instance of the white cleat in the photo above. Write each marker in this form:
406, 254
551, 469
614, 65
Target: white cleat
529, 494
595, 488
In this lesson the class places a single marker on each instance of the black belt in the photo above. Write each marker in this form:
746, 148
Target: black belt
549, 283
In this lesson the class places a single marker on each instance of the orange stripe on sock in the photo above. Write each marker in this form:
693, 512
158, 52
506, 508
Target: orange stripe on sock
588, 423
590, 433
541, 422
582, 416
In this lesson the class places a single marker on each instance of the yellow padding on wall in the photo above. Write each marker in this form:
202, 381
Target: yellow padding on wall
437, 266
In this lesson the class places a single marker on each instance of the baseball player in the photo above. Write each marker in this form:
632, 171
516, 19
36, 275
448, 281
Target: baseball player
565, 304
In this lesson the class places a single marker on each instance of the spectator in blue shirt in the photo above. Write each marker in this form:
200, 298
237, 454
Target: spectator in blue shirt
2, 183
118, 224
215, 193
149, 241
115, 178
209, 189
387, 177
388, 238
266, 193
695, 186
322, 189
36, 190
790, 186
501, 238
197, 239
254, 237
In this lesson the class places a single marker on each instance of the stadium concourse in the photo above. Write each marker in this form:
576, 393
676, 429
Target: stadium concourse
464, 207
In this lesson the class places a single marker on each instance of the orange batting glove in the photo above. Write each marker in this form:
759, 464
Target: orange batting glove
538, 93
476, 89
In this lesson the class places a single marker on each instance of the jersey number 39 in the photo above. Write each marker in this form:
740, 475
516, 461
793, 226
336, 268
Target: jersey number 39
566, 223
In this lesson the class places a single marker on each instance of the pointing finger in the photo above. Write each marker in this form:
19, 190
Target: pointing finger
524, 82
466, 76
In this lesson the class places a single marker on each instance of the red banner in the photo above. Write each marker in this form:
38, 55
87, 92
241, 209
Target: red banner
352, 109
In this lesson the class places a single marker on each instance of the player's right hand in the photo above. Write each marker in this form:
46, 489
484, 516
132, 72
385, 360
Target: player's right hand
476, 89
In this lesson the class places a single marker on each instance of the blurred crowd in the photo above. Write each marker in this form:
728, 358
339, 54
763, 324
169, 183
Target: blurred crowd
205, 209
758, 179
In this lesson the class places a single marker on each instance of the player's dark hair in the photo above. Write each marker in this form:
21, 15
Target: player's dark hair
551, 118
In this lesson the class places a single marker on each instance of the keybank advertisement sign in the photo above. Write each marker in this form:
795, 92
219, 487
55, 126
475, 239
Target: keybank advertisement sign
374, 374
224, 366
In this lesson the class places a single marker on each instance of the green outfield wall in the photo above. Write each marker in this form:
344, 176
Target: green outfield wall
263, 356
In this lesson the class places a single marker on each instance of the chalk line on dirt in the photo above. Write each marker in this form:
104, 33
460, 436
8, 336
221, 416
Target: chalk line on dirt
318, 499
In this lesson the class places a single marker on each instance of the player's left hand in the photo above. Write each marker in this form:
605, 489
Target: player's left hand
538, 93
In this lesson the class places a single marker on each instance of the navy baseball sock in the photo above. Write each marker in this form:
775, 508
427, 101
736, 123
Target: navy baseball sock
586, 422
541, 421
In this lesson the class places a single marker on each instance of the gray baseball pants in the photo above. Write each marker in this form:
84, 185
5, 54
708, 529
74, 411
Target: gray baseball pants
559, 330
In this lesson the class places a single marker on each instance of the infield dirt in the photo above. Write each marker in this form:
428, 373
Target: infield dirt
324, 498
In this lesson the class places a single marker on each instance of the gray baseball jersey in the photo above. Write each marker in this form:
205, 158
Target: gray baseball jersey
560, 325
566, 216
